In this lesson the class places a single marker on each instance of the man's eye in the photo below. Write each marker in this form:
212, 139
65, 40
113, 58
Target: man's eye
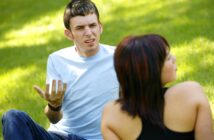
79, 28
93, 25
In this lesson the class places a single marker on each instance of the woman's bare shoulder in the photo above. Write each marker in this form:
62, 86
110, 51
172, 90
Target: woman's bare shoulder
112, 106
189, 90
190, 87
187, 85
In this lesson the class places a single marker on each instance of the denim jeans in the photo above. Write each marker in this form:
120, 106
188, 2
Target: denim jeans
17, 125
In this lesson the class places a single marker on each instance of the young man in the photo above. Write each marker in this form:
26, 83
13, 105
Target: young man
74, 109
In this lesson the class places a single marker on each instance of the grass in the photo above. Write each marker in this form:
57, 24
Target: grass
30, 30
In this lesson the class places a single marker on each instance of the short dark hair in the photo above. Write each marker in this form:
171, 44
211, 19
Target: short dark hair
79, 8
138, 61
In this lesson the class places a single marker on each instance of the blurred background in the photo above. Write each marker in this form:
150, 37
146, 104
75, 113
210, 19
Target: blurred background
31, 30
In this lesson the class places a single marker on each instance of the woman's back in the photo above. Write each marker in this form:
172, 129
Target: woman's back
186, 115
187, 109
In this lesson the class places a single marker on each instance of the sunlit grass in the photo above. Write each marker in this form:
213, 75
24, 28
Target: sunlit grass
195, 62
36, 32
12, 79
29, 33
17, 91
16, 79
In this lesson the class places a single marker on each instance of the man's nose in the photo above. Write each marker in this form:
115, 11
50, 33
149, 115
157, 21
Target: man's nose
88, 31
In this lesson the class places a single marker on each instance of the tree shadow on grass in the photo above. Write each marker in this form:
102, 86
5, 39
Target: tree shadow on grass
17, 13
186, 20
13, 57
24, 98
18, 92
14, 16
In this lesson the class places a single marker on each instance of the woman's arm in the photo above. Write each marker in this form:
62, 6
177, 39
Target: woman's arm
203, 125
107, 132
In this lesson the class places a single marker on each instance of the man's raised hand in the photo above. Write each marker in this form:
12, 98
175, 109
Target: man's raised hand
55, 95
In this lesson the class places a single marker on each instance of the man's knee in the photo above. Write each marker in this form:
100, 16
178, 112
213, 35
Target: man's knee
12, 116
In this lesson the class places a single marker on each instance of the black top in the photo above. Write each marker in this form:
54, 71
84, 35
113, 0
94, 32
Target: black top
154, 132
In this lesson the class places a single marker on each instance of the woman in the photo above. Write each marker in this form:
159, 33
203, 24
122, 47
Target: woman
146, 109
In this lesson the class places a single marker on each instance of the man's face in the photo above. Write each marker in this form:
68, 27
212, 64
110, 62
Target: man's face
85, 33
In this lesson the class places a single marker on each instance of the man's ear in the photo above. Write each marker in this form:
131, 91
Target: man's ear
101, 28
68, 34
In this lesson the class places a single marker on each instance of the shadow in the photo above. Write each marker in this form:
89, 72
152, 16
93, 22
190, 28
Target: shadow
192, 18
38, 57
20, 94
24, 98
15, 14
186, 20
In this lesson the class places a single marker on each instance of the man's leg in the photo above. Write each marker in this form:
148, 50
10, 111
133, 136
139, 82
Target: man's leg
67, 136
75, 137
19, 126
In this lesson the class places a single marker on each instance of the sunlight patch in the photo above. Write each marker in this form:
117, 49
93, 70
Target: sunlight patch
12, 79
35, 33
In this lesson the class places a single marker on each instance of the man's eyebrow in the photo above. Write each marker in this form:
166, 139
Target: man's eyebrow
93, 23
79, 25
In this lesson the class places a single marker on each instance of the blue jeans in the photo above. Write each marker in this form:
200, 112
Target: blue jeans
17, 125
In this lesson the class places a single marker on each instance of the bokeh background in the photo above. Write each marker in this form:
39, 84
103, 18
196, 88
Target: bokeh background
30, 30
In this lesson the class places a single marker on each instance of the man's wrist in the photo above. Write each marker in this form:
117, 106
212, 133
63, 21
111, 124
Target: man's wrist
56, 109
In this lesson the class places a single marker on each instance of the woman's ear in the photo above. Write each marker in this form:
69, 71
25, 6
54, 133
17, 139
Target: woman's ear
68, 34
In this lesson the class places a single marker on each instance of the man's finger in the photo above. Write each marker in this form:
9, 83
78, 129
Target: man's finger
39, 90
53, 91
60, 89
46, 95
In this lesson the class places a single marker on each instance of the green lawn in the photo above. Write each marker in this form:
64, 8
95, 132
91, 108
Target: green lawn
30, 30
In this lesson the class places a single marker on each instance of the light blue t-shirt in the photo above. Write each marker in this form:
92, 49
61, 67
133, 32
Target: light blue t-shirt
91, 83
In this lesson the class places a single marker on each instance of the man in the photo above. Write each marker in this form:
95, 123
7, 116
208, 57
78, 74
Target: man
74, 109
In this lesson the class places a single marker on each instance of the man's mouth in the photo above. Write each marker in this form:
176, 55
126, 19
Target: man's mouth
90, 41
